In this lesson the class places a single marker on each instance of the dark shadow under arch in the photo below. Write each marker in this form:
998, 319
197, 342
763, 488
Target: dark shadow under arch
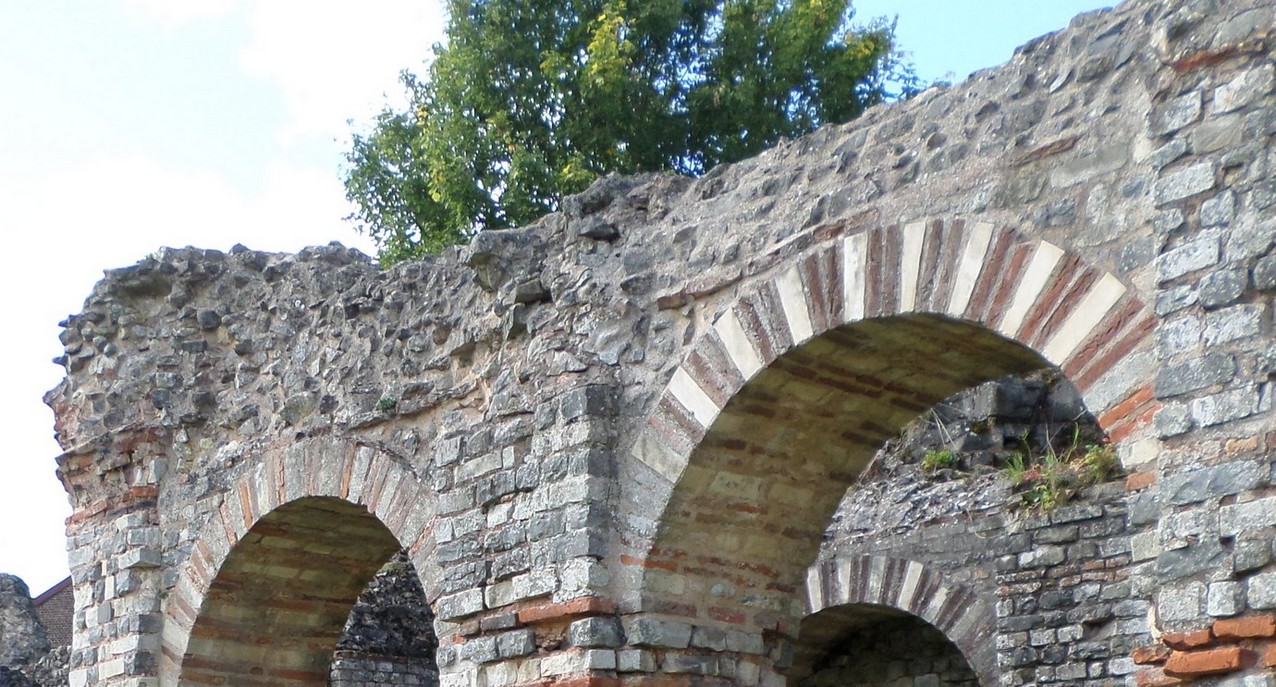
865, 645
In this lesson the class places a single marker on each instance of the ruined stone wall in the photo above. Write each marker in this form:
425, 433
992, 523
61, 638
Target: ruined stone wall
611, 441
389, 638
26, 656
1059, 575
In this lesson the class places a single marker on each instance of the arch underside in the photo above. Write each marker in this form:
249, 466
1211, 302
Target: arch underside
277, 606
875, 645
748, 513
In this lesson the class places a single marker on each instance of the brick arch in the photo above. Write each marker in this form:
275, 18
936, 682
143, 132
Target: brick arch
292, 544
779, 405
966, 617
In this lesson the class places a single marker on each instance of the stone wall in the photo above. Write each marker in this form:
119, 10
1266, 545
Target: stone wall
389, 637
611, 441
26, 657
354, 669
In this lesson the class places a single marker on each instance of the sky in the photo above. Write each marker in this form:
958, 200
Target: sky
127, 125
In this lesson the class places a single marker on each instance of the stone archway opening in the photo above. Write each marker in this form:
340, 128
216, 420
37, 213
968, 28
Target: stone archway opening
749, 511
277, 606
865, 645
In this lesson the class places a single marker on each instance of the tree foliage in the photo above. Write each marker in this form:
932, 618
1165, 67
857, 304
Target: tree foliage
531, 101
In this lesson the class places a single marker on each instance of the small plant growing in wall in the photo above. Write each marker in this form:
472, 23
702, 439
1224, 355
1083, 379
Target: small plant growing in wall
939, 459
386, 404
1048, 481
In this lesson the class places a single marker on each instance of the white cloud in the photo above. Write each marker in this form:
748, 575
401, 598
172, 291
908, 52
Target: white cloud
333, 62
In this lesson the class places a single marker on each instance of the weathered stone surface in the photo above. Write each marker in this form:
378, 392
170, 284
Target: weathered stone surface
1265, 273
1184, 182
392, 618
26, 657
595, 632
1261, 590
1211, 482
1243, 89
1223, 287
646, 408
22, 638
1191, 256
1208, 370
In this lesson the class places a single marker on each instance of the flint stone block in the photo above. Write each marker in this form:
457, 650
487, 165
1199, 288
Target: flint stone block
1191, 560
1167, 220
1213, 482
1244, 89
1222, 288
709, 638
1225, 599
645, 631
1231, 324
1043, 556
695, 664
1249, 516
1217, 134
1172, 420
460, 604
1177, 113
1260, 590
1172, 300
1218, 210
745, 642
516, 643
595, 632
480, 650
1225, 406
141, 557
1184, 183
635, 661
1250, 237
1265, 274
1188, 257
1211, 369
1251, 554
1181, 603
1178, 335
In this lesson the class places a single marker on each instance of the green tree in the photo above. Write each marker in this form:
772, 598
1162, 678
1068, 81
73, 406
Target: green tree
531, 101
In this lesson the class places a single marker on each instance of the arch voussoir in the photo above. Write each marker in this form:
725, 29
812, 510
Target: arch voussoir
713, 370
